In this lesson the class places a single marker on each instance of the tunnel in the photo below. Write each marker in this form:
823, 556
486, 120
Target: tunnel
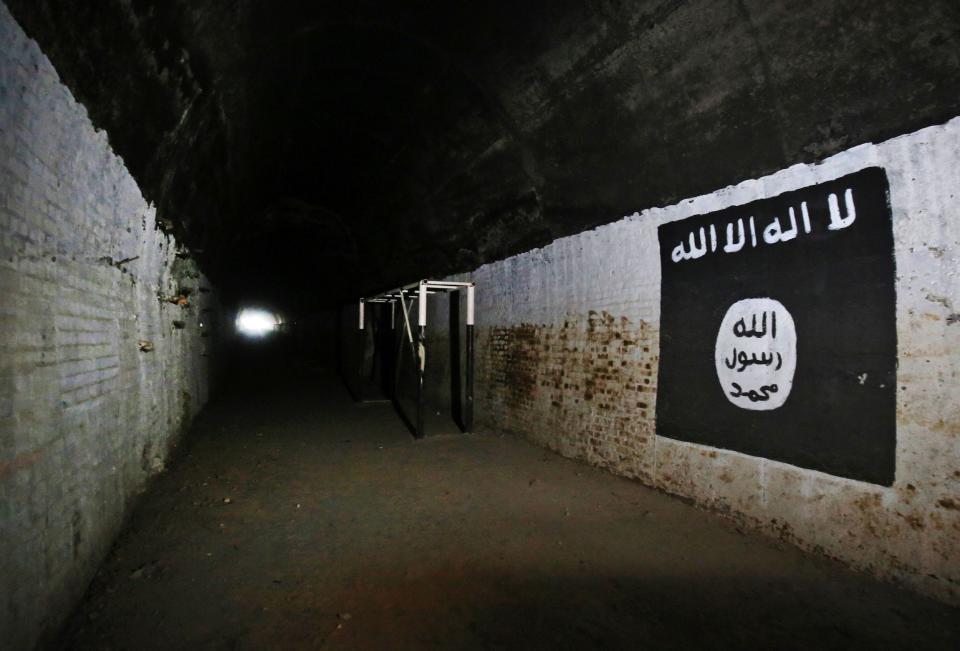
581, 324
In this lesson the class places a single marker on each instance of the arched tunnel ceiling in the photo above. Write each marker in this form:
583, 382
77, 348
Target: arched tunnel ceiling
307, 148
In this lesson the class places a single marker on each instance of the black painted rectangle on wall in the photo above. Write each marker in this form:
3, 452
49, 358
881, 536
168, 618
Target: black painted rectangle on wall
778, 329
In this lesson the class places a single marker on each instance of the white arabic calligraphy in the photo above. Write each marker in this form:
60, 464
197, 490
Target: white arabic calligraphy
772, 233
756, 354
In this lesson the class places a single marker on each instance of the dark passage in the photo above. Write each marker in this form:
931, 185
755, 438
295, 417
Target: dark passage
298, 519
383, 325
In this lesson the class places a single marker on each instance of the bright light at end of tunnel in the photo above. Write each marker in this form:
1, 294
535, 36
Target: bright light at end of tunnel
256, 323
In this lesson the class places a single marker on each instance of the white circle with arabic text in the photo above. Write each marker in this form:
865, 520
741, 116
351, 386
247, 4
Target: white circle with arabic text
756, 354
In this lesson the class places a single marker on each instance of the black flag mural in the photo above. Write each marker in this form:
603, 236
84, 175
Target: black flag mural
778, 329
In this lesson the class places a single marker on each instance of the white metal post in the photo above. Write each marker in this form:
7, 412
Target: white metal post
362, 353
421, 355
422, 316
468, 397
470, 305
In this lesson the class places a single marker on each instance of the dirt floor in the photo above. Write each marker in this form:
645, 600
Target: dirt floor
299, 519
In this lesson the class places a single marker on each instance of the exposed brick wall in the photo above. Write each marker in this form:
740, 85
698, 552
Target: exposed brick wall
85, 415
584, 387
568, 346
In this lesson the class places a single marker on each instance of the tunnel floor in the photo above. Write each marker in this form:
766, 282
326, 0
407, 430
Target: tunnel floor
296, 518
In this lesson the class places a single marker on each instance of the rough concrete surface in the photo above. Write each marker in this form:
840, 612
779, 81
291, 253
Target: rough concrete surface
434, 136
299, 519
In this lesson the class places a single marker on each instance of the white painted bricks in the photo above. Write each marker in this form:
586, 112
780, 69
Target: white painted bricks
535, 308
85, 417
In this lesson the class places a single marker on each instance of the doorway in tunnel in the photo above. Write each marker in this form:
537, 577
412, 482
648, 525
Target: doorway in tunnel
376, 360
426, 373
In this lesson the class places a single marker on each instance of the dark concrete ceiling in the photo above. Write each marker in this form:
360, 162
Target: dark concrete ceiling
327, 148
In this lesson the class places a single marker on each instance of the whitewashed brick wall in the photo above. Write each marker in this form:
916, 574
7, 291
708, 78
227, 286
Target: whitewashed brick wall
85, 416
568, 351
